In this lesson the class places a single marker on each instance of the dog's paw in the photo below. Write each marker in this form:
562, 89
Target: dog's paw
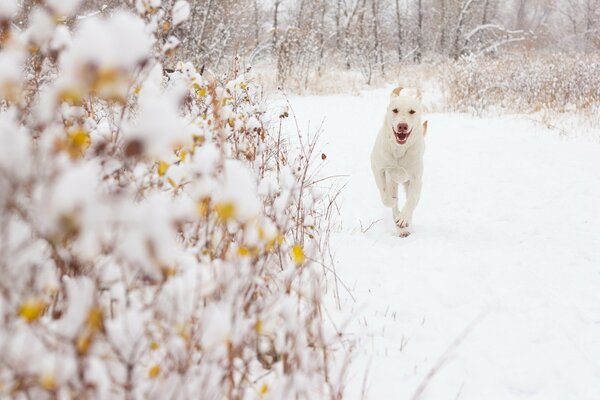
402, 219
403, 232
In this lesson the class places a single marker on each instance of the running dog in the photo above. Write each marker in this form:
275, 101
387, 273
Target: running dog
397, 156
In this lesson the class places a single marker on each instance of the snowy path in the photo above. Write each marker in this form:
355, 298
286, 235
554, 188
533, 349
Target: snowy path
507, 234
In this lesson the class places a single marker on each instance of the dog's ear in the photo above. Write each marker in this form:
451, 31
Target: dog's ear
419, 94
425, 125
396, 92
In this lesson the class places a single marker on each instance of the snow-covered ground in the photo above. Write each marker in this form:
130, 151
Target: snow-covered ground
504, 259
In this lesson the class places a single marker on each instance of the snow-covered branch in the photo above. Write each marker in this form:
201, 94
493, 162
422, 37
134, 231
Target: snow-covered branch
156, 239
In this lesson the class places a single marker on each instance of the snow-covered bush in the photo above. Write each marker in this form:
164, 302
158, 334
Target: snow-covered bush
156, 240
525, 82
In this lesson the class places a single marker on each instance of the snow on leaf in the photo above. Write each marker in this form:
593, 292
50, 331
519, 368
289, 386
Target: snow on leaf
180, 12
63, 7
8, 9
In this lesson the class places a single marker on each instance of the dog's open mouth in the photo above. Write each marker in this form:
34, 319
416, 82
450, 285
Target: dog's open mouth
402, 137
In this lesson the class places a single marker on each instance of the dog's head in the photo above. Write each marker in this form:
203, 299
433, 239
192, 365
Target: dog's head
404, 115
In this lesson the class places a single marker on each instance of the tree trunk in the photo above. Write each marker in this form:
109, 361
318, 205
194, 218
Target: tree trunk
256, 24
322, 36
275, 14
378, 46
443, 27
418, 53
521, 15
399, 25
486, 13
464, 10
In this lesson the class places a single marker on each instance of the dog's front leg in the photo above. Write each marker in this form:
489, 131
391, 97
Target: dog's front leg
388, 196
403, 217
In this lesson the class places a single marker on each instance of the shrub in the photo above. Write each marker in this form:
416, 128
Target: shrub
156, 240
525, 82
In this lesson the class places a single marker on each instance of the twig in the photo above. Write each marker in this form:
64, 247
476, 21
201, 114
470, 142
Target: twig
444, 357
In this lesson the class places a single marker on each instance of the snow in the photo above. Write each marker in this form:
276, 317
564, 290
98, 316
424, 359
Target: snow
81, 291
63, 7
118, 41
181, 12
15, 149
158, 125
146, 5
506, 241
240, 189
8, 9
41, 26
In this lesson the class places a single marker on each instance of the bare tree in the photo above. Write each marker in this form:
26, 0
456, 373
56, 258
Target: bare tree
376, 35
419, 52
399, 28
460, 24
307, 36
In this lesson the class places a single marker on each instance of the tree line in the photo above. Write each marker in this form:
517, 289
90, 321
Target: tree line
301, 37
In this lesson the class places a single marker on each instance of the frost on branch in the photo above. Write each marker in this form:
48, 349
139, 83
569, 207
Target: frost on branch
155, 240
525, 83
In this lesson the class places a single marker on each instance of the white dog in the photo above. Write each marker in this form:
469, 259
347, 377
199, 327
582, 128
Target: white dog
397, 156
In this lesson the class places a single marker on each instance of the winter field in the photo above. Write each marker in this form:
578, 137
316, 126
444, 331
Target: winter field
495, 294
187, 209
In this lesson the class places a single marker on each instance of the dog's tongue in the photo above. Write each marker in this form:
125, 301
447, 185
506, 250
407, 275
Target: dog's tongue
402, 136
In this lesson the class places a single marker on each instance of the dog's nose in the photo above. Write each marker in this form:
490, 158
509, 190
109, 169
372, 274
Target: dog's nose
402, 126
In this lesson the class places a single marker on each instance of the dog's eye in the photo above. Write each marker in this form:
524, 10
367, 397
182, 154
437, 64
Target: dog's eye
395, 111
411, 112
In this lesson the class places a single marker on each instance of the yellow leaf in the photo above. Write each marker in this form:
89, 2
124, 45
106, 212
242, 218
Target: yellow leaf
95, 319
70, 96
78, 142
198, 139
11, 91
243, 251
203, 207
168, 272
183, 332
225, 211
47, 382
154, 371
32, 309
258, 327
172, 182
163, 166
298, 254
104, 78
264, 389
277, 240
83, 343
182, 155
